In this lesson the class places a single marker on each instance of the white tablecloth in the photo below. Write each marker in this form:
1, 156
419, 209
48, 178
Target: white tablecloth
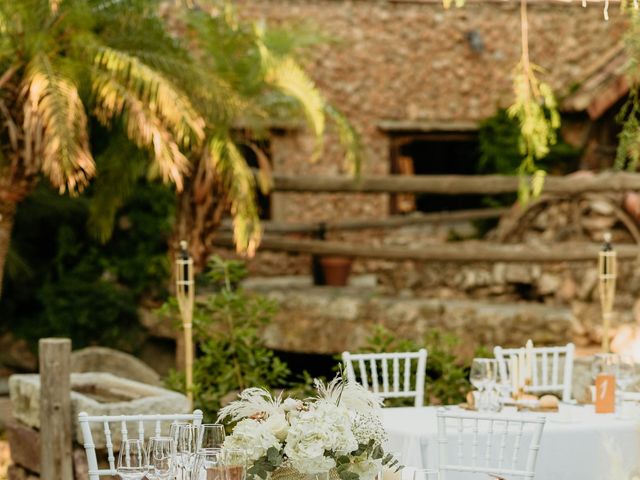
576, 443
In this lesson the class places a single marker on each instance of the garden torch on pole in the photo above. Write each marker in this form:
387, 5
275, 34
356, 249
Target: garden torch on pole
185, 293
608, 271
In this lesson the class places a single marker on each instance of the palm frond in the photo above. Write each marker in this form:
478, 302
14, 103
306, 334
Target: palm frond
167, 103
55, 127
349, 138
289, 78
142, 126
238, 181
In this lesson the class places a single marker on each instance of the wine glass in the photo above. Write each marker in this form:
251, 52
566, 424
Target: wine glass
211, 435
209, 465
425, 474
132, 460
162, 458
235, 462
483, 375
187, 447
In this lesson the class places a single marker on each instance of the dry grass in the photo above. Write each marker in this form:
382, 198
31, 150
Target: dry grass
4, 459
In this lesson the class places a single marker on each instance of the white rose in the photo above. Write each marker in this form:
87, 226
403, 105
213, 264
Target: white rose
278, 425
253, 437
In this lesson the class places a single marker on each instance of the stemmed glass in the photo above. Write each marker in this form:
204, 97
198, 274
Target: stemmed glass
209, 465
186, 448
162, 458
235, 463
211, 435
483, 376
132, 460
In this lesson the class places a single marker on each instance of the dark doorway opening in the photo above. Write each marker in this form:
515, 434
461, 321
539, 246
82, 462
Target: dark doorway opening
454, 153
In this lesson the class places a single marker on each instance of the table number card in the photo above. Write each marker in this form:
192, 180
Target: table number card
605, 393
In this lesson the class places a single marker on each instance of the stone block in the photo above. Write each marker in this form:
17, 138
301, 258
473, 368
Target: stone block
24, 443
108, 360
96, 394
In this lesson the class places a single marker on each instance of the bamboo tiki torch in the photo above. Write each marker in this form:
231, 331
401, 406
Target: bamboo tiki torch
185, 291
608, 271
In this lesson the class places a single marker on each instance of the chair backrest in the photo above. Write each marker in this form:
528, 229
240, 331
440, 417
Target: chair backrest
552, 369
159, 425
488, 444
389, 375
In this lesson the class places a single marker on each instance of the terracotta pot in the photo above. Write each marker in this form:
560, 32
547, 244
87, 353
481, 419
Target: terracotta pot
336, 270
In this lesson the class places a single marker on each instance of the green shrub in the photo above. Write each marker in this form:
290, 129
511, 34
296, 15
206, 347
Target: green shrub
446, 379
69, 284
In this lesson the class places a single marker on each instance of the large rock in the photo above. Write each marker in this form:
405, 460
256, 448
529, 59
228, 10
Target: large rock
96, 394
102, 359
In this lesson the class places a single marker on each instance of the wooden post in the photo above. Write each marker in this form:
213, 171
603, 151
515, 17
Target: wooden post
55, 409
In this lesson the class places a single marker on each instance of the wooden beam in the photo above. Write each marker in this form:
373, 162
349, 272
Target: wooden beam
454, 184
394, 221
55, 409
467, 251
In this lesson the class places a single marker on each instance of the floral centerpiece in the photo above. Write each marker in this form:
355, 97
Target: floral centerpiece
337, 433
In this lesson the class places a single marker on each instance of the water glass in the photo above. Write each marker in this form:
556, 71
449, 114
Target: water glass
211, 435
604, 363
626, 373
132, 460
235, 463
209, 465
186, 448
162, 458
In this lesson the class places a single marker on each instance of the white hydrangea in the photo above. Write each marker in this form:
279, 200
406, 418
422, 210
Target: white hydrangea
366, 468
368, 426
325, 428
252, 436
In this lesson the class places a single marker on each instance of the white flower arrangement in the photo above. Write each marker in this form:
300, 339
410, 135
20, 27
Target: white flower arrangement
339, 429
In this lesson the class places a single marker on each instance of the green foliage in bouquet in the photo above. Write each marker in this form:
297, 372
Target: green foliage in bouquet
230, 353
446, 379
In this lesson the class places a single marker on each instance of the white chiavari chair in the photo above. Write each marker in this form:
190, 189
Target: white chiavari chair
389, 375
157, 424
552, 369
493, 445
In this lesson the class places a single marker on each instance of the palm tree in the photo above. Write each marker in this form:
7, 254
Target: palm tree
64, 61
185, 89
249, 78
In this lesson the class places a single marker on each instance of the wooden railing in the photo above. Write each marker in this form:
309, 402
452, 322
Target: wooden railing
454, 184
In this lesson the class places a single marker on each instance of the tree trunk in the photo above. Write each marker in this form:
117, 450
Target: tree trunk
7, 214
201, 206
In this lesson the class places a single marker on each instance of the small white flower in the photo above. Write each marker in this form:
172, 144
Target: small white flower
291, 404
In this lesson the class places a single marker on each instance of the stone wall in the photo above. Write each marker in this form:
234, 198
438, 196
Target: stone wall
412, 61
328, 321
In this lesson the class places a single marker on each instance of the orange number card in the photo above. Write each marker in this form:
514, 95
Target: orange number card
605, 393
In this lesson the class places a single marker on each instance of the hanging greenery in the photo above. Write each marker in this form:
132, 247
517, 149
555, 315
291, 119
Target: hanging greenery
628, 153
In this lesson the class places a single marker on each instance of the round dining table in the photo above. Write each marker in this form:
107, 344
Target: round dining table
576, 444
